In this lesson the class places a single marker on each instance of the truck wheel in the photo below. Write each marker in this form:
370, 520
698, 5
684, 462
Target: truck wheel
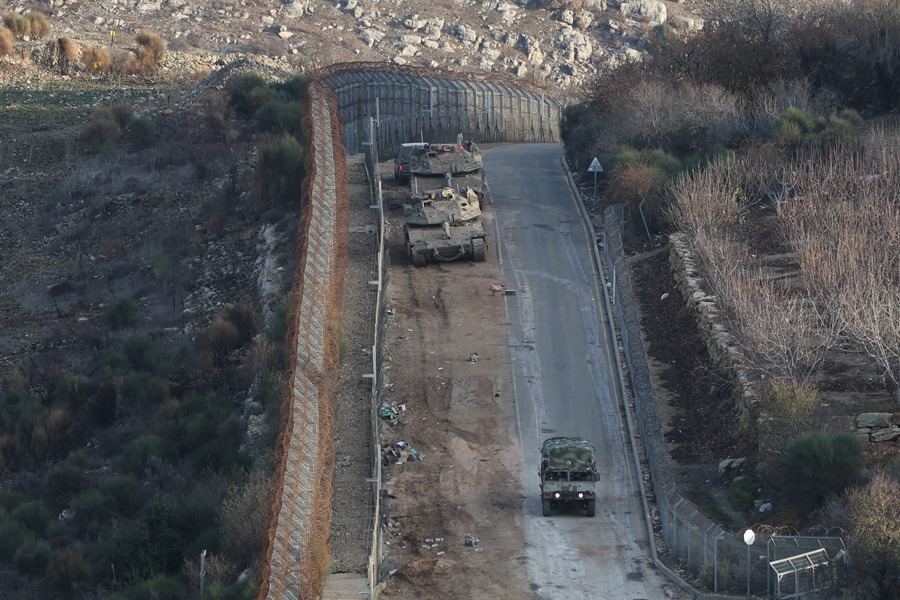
478, 250
591, 507
545, 505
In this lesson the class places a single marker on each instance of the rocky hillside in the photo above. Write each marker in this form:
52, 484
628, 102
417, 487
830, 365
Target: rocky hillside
564, 42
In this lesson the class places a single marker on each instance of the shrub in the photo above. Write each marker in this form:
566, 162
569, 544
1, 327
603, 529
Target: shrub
67, 569
67, 48
9, 500
12, 534
121, 313
32, 24
742, 494
21, 406
32, 515
244, 514
93, 506
121, 114
141, 353
32, 556
100, 134
243, 317
125, 491
821, 464
277, 117
72, 391
281, 171
875, 540
141, 133
6, 41
790, 401
160, 587
62, 481
145, 388
249, 93
96, 60
150, 53
292, 89
137, 453
115, 364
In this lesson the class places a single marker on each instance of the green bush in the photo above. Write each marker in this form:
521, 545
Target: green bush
21, 406
12, 535
126, 492
281, 171
160, 266
67, 569
9, 500
293, 89
32, 556
160, 587
62, 481
141, 353
145, 388
121, 313
32, 515
115, 364
281, 117
797, 127
742, 494
249, 93
137, 453
821, 464
141, 133
93, 506
72, 391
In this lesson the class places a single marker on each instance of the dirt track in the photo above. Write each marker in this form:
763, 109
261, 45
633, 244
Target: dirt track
460, 421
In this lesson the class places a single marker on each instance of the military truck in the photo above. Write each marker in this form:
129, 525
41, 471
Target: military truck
443, 224
568, 473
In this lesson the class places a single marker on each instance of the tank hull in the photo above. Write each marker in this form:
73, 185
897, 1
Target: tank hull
433, 244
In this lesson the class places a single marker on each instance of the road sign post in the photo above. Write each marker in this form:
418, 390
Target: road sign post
595, 168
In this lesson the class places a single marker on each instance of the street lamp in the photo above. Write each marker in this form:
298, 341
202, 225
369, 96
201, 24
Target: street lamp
749, 538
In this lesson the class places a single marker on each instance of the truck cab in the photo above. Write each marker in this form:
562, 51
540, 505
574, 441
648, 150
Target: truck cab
568, 473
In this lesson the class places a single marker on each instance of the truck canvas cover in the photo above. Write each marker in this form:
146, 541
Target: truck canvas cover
568, 454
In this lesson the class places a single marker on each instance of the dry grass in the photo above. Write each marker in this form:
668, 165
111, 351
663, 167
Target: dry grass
149, 54
32, 24
6, 41
96, 60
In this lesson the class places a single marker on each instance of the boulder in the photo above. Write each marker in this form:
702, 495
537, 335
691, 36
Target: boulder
583, 20
415, 22
565, 16
651, 9
873, 420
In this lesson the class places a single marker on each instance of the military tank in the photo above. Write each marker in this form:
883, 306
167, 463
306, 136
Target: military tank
462, 161
434, 160
444, 224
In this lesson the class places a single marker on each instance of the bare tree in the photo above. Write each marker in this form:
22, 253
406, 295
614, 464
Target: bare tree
875, 528
844, 224
782, 331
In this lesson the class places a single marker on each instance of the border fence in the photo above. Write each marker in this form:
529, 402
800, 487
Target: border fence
381, 106
297, 551
723, 561
408, 104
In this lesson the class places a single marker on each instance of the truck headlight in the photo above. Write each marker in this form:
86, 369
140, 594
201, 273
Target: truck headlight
580, 495
556, 495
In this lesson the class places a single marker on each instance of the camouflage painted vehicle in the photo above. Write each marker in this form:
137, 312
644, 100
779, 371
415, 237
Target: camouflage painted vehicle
568, 473
445, 203
436, 160
444, 224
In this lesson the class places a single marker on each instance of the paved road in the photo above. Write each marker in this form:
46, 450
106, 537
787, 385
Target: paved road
565, 383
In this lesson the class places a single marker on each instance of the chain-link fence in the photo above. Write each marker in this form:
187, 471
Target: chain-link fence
722, 561
297, 552
409, 104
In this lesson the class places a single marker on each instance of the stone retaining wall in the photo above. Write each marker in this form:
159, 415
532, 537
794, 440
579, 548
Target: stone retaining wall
720, 344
